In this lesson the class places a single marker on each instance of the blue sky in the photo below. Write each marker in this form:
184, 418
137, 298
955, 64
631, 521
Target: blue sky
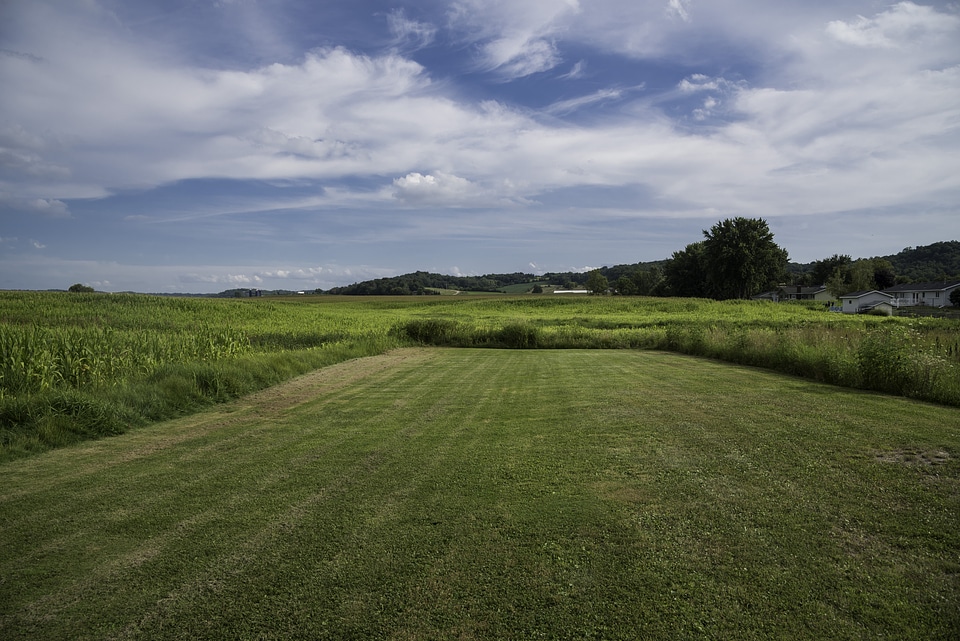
200, 145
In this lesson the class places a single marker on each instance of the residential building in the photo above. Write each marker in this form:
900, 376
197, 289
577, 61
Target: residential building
936, 294
859, 302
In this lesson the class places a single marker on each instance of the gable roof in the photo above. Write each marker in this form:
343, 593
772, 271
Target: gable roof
936, 286
864, 293
793, 289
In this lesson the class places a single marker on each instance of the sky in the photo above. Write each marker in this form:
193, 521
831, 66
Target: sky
201, 145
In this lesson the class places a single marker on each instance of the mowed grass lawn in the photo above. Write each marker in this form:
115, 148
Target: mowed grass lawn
487, 494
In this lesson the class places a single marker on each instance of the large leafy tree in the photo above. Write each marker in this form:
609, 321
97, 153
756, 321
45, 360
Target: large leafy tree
823, 269
597, 283
686, 273
741, 258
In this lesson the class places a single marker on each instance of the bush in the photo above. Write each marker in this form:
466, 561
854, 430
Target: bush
431, 331
519, 336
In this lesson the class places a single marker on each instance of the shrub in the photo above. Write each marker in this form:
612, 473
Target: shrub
431, 331
519, 335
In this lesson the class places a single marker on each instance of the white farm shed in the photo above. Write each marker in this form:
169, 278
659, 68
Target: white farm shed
858, 302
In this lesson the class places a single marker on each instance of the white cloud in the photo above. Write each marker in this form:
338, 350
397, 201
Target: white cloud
44, 207
519, 56
844, 113
409, 33
903, 24
679, 8
37, 244
438, 188
578, 70
515, 39
700, 82
572, 104
48, 207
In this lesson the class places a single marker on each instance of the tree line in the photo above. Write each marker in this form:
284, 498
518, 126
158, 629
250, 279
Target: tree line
737, 258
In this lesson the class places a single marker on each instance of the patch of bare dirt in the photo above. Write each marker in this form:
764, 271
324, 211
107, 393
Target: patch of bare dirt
914, 456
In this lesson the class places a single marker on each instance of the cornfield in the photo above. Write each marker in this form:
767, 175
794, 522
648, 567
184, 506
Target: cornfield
36, 358
75, 366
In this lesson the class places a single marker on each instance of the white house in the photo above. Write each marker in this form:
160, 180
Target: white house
934, 294
859, 302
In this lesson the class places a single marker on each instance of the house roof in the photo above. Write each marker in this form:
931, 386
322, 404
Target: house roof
864, 293
793, 289
936, 286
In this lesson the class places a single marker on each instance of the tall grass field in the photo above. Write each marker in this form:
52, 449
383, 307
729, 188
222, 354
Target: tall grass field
80, 366
437, 493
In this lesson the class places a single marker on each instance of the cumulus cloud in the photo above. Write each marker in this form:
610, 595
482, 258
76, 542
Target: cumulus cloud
290, 277
438, 188
45, 207
220, 279
700, 82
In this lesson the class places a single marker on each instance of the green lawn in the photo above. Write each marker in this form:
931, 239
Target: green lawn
490, 494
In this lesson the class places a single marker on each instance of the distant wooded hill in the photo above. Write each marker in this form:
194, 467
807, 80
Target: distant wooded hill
939, 261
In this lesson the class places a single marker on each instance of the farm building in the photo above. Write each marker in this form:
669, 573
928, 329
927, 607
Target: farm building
935, 294
859, 302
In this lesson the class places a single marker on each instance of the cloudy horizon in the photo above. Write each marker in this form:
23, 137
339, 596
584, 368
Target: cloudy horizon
199, 145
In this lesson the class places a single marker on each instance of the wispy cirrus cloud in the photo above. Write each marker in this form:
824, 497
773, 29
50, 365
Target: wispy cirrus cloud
572, 104
514, 39
409, 33
902, 25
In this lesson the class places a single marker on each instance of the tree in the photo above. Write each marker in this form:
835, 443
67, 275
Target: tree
685, 273
626, 286
647, 282
597, 283
955, 297
741, 258
80, 288
537, 289
883, 274
860, 276
823, 269
837, 284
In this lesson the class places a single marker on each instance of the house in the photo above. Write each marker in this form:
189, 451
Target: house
771, 296
935, 294
796, 292
859, 302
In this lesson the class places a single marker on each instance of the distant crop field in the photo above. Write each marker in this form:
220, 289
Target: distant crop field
431, 493
81, 366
